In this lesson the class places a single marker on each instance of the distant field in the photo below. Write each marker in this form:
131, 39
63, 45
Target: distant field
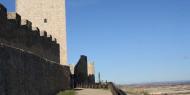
177, 90
158, 89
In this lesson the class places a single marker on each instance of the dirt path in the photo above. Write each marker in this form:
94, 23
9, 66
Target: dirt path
93, 92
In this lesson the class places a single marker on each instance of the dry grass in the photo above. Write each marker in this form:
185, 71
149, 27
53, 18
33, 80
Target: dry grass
67, 92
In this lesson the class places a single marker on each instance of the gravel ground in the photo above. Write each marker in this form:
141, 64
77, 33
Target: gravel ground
92, 92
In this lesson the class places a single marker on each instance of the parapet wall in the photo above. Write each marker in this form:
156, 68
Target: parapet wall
115, 90
29, 59
20, 34
22, 73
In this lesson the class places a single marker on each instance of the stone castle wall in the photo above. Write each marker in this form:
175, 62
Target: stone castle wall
84, 72
91, 73
81, 70
91, 70
22, 73
20, 34
29, 59
48, 15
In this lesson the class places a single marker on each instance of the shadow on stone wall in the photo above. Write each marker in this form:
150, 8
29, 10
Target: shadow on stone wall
81, 71
22, 73
20, 34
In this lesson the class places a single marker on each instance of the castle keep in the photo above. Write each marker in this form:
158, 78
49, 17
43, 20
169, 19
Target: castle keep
29, 59
33, 61
48, 15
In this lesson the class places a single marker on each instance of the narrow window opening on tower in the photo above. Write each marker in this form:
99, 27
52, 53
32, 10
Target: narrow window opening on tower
45, 20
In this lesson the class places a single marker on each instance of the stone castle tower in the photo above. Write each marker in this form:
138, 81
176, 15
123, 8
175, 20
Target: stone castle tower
91, 68
48, 15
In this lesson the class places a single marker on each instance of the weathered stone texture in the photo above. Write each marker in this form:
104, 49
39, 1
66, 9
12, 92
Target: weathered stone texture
91, 73
3, 16
20, 34
28, 60
23, 73
91, 70
48, 15
72, 68
80, 70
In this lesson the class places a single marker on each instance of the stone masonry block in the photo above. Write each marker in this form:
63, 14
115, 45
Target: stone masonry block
43, 33
13, 15
26, 23
2, 8
24, 73
55, 40
14, 19
36, 30
49, 15
49, 37
3, 13
20, 34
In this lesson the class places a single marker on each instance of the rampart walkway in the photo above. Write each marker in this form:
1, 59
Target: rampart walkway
93, 92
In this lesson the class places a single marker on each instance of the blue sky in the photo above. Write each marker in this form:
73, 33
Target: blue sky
131, 41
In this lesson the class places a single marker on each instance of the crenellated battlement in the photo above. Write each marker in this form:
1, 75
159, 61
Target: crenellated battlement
49, 16
29, 58
19, 33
